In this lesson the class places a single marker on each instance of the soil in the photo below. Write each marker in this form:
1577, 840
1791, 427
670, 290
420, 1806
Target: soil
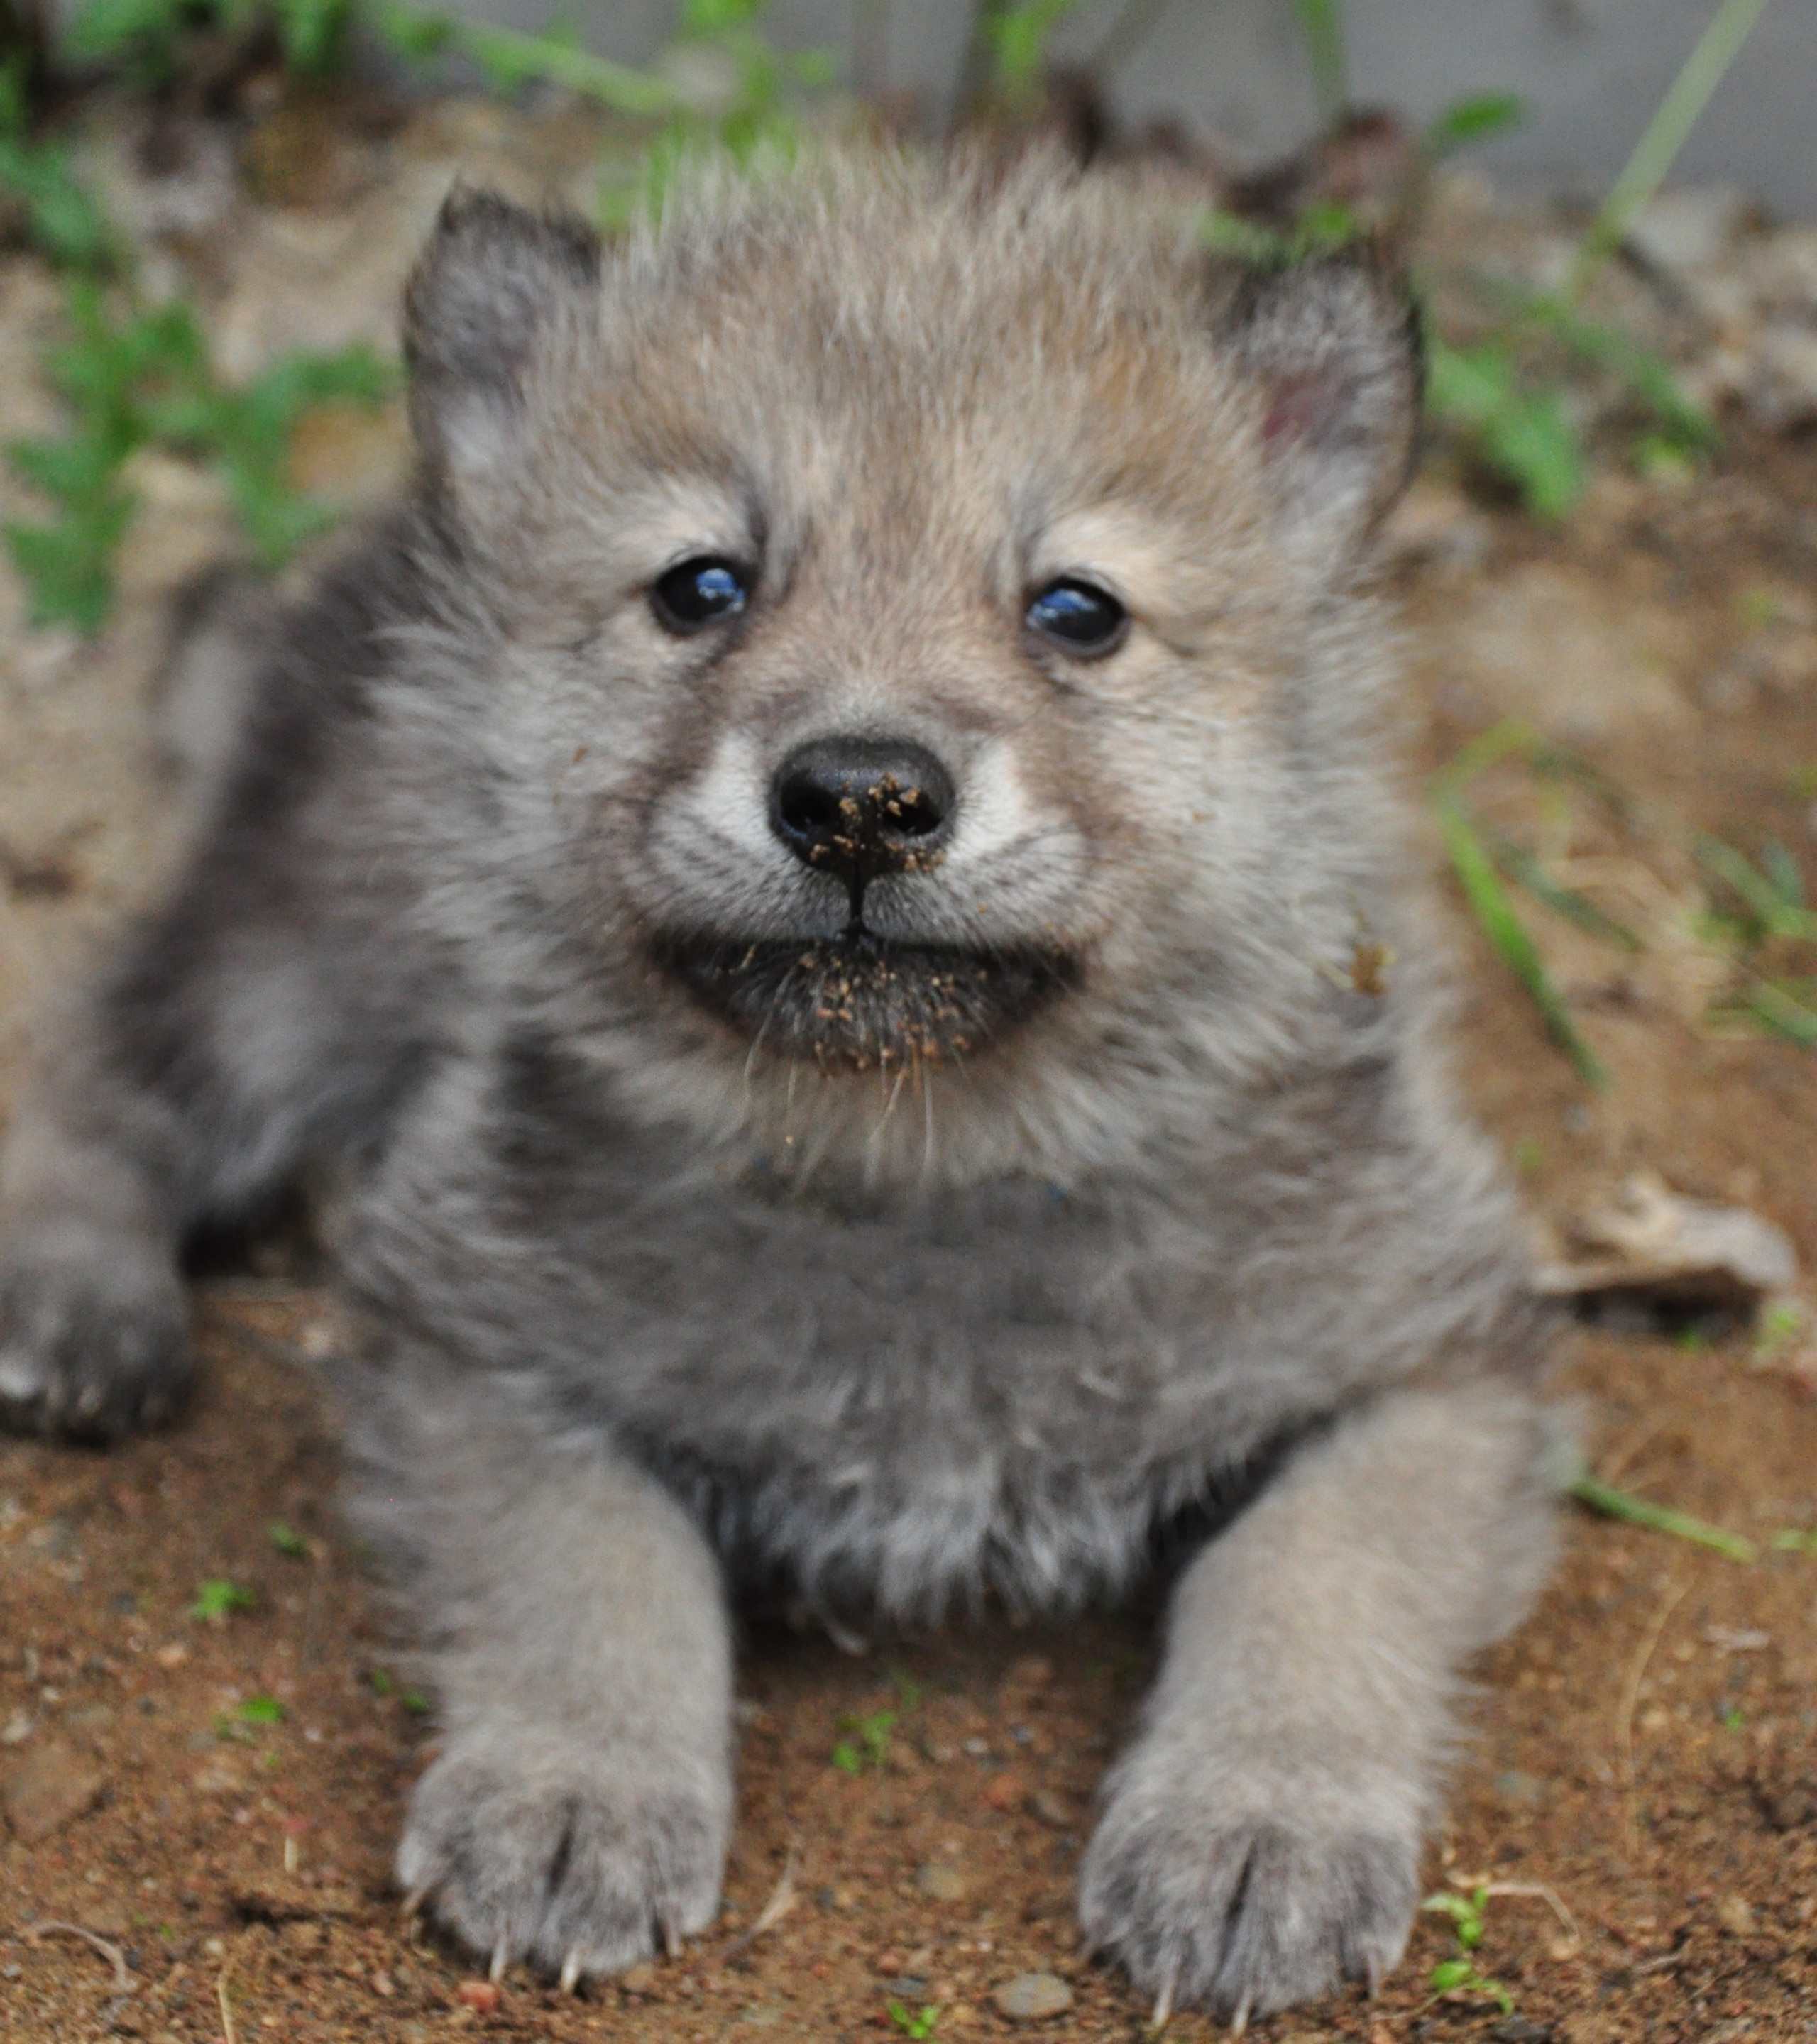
215, 1799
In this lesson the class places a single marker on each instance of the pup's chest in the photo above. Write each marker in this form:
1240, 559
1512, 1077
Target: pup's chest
903, 1417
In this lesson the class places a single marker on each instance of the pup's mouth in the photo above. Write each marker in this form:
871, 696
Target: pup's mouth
854, 1002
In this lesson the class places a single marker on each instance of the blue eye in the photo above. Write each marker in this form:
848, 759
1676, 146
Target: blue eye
1078, 617
699, 593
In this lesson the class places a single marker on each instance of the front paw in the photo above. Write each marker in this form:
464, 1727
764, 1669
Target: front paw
94, 1332
1242, 1904
531, 1845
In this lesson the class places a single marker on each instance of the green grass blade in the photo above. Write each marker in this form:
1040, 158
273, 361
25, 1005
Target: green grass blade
510, 59
1473, 119
1489, 749
1526, 872
1779, 1010
1780, 917
1614, 1504
1322, 30
1504, 929
1665, 134
1647, 376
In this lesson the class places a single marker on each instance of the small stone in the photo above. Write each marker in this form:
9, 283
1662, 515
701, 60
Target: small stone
51, 1789
1689, 229
1521, 2029
1516, 1787
218, 1776
1005, 1791
1031, 1997
1735, 1914
638, 1979
941, 1881
56, 1538
1047, 1809
18, 1729
481, 1997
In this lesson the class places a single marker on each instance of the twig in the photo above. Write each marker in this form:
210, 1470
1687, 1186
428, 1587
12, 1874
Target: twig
229, 2032
1624, 1719
1537, 1890
1667, 1963
123, 1983
782, 1898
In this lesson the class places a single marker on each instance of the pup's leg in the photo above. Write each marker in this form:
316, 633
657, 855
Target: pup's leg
246, 1026
93, 1323
578, 1812
1261, 1839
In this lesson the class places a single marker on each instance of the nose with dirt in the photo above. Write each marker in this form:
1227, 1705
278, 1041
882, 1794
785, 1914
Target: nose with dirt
855, 808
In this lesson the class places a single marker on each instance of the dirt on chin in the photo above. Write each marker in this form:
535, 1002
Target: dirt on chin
215, 1800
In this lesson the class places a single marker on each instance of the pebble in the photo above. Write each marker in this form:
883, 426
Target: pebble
1516, 1786
1521, 2029
481, 1997
941, 1882
54, 1786
1047, 1808
1004, 1791
1689, 229
1030, 1997
1735, 1914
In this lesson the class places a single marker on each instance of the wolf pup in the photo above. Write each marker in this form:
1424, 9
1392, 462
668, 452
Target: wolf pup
824, 882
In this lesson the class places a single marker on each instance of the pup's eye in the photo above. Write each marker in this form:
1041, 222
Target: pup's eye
1078, 617
699, 593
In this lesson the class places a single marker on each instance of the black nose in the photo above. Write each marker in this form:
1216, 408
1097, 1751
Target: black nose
855, 808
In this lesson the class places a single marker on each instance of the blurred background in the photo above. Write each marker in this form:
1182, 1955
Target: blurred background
1588, 72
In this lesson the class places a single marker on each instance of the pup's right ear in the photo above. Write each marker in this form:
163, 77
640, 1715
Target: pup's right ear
498, 290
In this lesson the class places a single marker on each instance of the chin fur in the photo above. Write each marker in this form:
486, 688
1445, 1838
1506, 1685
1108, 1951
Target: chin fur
859, 1003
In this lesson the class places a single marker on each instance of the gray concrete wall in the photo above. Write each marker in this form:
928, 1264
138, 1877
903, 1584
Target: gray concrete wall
1591, 71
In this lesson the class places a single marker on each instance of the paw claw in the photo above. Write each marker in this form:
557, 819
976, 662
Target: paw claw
94, 1338
1164, 2004
1242, 1918
574, 1866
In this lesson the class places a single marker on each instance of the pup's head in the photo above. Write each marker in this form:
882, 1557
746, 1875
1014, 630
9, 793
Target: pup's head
920, 678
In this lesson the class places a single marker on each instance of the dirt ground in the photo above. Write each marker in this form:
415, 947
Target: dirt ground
199, 1811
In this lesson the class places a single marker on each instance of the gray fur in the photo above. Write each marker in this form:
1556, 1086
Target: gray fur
921, 1300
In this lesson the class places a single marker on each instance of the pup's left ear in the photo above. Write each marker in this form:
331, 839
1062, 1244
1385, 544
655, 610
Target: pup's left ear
1333, 349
